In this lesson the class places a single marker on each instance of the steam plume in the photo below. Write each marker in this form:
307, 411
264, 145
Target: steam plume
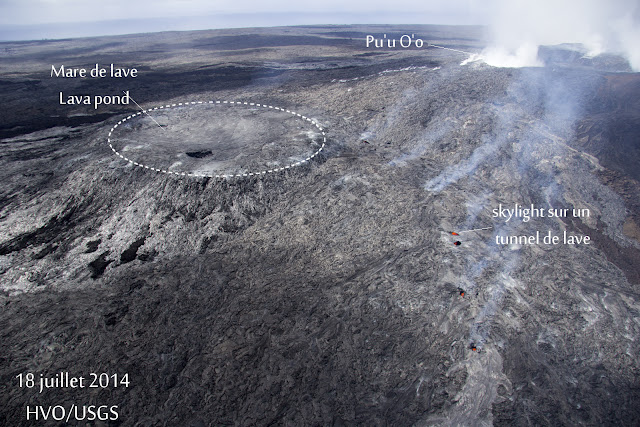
518, 27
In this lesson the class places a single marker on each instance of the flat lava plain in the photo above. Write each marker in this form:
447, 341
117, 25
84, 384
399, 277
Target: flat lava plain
328, 294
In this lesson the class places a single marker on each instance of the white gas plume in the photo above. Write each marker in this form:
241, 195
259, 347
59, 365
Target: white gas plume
519, 27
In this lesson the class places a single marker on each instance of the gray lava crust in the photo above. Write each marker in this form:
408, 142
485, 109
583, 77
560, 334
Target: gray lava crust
327, 294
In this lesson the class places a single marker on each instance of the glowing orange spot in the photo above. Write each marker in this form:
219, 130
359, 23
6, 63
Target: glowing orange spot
454, 233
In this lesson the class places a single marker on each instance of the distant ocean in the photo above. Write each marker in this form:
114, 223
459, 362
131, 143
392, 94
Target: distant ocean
244, 20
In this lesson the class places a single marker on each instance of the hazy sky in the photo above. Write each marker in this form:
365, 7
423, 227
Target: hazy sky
37, 19
55, 11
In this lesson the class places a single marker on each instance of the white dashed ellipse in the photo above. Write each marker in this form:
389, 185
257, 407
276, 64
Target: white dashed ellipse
223, 176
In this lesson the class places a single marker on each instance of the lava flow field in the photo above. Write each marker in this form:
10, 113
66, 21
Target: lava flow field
332, 261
